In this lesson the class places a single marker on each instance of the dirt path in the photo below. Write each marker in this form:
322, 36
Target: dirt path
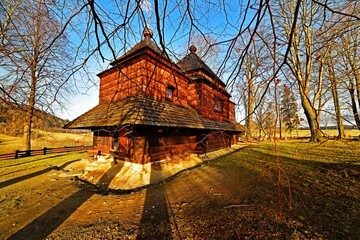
36, 204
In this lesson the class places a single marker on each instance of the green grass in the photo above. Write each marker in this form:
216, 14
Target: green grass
39, 162
323, 179
55, 159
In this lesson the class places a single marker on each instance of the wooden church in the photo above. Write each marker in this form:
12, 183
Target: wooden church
151, 108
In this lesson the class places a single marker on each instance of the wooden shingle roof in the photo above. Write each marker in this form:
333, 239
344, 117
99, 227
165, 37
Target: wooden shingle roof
145, 110
146, 42
193, 62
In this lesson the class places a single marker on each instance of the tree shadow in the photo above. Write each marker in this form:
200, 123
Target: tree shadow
54, 217
155, 220
8, 173
323, 193
31, 175
36, 160
105, 180
24, 177
45, 224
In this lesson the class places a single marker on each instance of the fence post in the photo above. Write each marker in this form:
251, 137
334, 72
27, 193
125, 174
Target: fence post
16, 154
65, 148
44, 150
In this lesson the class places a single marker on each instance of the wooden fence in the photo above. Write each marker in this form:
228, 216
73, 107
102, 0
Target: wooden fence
44, 151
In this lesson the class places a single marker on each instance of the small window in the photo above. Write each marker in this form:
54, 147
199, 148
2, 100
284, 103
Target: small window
115, 145
170, 93
218, 106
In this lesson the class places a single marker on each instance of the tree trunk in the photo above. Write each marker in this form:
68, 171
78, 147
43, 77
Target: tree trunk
250, 110
335, 95
31, 105
339, 121
316, 133
302, 68
353, 97
354, 107
28, 126
351, 47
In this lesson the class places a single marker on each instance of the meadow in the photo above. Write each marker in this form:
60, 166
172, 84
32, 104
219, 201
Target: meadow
268, 190
349, 133
49, 139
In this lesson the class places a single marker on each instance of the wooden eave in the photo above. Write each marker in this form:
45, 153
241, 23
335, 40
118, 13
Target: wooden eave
147, 111
209, 75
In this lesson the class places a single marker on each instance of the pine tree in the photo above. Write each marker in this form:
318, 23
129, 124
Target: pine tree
289, 110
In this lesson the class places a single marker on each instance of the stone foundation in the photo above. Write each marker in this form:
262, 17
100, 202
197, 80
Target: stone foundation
123, 175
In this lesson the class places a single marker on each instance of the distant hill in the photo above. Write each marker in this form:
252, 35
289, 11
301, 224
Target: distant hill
12, 118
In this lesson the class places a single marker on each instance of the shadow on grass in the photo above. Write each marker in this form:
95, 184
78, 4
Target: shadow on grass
34, 174
46, 223
157, 216
8, 173
36, 160
155, 220
54, 217
324, 193
321, 165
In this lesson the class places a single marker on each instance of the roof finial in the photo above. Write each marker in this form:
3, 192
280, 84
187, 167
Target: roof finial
148, 33
192, 48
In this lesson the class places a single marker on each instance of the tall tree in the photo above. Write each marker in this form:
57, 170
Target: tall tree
255, 74
289, 110
301, 58
114, 26
264, 121
335, 95
349, 43
35, 64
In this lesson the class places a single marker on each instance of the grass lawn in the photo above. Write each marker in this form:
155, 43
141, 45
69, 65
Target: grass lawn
237, 196
319, 184
38, 162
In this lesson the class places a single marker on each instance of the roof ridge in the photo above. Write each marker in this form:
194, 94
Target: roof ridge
144, 43
192, 61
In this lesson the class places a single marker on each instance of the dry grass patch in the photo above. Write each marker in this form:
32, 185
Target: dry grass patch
41, 139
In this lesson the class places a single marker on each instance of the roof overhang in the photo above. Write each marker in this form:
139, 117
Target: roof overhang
145, 110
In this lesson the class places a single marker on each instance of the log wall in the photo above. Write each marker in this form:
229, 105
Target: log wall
145, 75
156, 145
148, 73
151, 75
218, 140
102, 141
